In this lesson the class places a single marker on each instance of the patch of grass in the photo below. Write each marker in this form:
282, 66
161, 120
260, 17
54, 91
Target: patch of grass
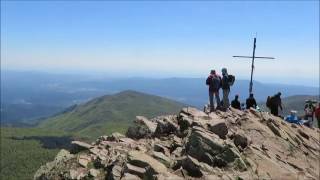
21, 158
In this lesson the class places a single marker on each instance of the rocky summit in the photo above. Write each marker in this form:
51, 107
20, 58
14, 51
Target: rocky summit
195, 145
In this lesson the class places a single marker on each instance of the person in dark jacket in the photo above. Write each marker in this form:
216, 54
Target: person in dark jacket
236, 103
214, 83
251, 102
317, 114
225, 88
275, 103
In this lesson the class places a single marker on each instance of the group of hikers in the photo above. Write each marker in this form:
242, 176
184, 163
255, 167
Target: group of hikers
215, 82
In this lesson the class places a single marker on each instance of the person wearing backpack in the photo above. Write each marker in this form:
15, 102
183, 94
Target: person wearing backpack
275, 103
317, 114
213, 81
309, 110
251, 102
225, 88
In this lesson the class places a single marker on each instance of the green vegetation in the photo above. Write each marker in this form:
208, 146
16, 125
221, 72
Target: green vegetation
21, 158
110, 113
23, 151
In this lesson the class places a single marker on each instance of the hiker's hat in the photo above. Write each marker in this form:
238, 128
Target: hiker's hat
293, 111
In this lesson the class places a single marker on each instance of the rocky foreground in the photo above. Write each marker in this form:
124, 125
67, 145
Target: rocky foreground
195, 145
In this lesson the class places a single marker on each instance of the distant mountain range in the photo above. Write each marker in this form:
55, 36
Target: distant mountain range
108, 113
27, 96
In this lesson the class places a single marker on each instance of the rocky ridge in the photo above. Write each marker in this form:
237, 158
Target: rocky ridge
195, 145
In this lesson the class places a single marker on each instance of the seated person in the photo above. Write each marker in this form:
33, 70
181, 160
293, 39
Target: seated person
293, 118
251, 102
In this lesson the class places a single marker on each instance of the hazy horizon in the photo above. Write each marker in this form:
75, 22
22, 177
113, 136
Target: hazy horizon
163, 39
94, 75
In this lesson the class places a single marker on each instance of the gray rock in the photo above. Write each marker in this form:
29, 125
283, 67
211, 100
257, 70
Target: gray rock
77, 146
161, 148
135, 170
143, 160
192, 166
128, 176
167, 176
94, 172
303, 134
190, 111
162, 158
185, 122
79, 173
146, 122
62, 157
115, 173
165, 127
177, 152
273, 128
241, 140
115, 137
219, 127
201, 141
83, 160
138, 132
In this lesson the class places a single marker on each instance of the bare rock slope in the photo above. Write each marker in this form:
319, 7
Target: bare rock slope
195, 145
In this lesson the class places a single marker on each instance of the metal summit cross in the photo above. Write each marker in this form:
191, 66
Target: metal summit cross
252, 63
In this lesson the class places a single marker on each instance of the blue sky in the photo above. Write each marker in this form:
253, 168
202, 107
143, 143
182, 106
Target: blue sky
163, 39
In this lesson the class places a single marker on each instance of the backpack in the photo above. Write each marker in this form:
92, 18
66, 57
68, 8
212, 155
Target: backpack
225, 82
208, 81
268, 103
231, 79
215, 82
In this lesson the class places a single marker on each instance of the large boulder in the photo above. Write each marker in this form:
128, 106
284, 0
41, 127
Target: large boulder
143, 160
219, 127
209, 148
165, 127
146, 122
143, 128
191, 165
185, 122
193, 112
45, 171
240, 139
77, 146
135, 170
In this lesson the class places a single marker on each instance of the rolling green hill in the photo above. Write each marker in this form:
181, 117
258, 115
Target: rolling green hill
110, 113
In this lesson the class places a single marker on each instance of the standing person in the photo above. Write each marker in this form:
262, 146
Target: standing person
213, 81
251, 102
225, 88
309, 110
317, 113
236, 103
275, 103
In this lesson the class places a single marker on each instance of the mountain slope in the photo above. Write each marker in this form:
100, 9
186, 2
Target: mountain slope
195, 145
110, 113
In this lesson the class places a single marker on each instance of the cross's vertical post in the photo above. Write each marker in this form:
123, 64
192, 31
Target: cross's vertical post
252, 65
253, 57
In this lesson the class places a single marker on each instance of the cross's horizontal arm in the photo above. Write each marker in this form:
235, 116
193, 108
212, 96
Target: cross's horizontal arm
254, 57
